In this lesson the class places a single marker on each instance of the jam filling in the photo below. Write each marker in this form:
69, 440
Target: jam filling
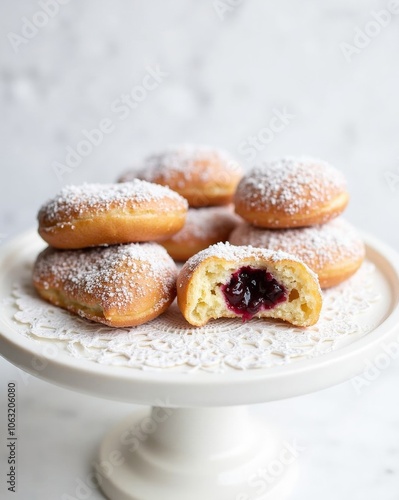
252, 290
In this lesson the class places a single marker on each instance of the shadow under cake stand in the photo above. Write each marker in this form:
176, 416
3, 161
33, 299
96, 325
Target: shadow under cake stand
198, 441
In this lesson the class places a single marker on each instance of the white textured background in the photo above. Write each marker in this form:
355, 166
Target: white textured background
225, 79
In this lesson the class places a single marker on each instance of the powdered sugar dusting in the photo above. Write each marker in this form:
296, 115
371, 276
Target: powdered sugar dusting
290, 185
73, 201
350, 311
237, 254
184, 160
113, 276
317, 246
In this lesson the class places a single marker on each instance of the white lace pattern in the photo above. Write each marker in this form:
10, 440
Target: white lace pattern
168, 342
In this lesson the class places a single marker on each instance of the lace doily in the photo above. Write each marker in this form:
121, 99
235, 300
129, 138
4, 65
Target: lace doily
168, 342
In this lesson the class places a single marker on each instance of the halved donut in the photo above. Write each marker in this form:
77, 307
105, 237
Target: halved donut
226, 281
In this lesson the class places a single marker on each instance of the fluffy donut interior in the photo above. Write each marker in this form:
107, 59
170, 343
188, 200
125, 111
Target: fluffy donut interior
207, 301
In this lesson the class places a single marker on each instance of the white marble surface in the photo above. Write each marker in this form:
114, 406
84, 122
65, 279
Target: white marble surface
225, 79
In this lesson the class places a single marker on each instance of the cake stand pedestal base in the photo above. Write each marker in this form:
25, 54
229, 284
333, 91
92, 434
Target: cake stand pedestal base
196, 454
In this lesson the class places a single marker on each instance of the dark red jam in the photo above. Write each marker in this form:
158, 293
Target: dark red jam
252, 290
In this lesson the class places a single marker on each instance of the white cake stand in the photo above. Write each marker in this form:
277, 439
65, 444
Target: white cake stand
198, 442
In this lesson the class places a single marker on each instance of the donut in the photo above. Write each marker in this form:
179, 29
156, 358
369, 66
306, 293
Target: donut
226, 281
203, 227
290, 193
109, 214
204, 176
334, 251
120, 286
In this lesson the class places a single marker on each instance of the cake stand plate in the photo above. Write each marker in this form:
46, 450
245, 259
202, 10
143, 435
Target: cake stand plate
198, 441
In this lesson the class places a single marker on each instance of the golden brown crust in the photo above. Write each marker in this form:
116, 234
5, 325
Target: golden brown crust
92, 215
181, 253
220, 261
204, 176
334, 250
204, 227
112, 229
219, 190
275, 219
291, 193
336, 275
119, 286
